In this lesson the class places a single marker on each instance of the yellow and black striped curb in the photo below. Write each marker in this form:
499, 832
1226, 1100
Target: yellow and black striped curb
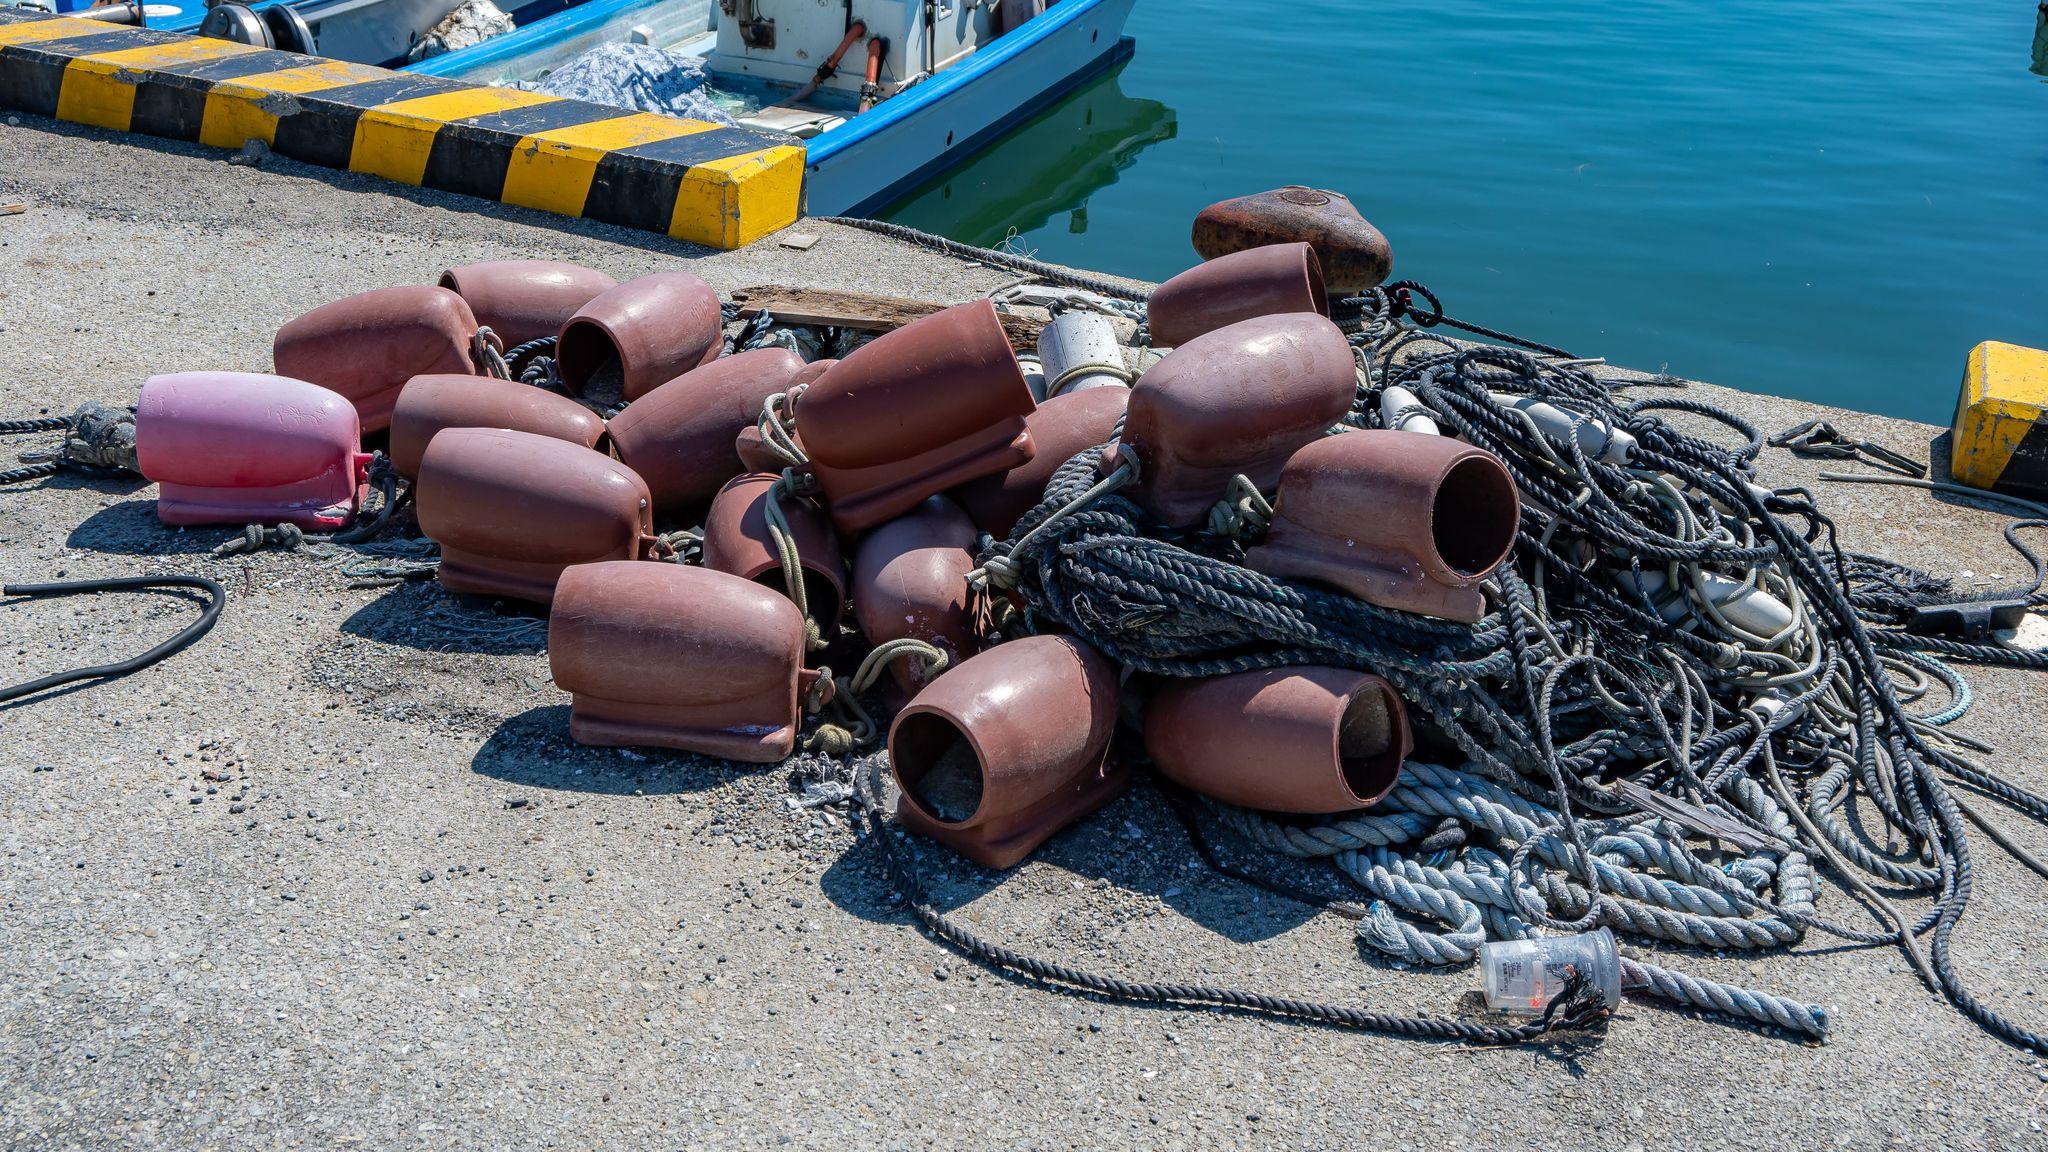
695, 181
2001, 432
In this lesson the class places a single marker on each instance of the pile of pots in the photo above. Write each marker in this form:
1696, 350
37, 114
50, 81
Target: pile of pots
863, 489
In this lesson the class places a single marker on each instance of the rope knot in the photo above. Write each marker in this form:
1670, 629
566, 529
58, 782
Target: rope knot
255, 537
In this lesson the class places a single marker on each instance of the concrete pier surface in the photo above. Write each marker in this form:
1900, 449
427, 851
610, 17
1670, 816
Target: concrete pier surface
335, 877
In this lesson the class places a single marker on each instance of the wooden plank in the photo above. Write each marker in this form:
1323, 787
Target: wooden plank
862, 311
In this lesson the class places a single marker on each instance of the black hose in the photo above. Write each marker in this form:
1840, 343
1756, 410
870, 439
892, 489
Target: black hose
215, 597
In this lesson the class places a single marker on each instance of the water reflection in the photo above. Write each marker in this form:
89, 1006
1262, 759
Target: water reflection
1050, 166
2041, 40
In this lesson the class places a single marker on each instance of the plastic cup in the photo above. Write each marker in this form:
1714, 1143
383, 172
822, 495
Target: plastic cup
1524, 976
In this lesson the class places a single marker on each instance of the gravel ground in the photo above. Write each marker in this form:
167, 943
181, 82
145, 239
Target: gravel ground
335, 877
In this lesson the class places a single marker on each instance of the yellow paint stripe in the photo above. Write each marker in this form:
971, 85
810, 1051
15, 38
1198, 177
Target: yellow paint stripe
552, 170
100, 89
248, 107
394, 140
734, 201
39, 30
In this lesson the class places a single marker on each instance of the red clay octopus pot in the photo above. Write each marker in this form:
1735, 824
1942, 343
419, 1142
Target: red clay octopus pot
1399, 519
665, 656
654, 328
910, 582
1268, 281
1008, 748
524, 300
511, 510
428, 404
1062, 426
736, 541
245, 448
936, 403
680, 437
1241, 399
1308, 739
368, 345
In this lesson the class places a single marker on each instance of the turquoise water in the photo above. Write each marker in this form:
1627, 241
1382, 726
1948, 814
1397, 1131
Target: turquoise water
1831, 201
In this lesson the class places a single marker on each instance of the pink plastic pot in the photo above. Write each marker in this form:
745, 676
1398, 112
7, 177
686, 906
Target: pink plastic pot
246, 448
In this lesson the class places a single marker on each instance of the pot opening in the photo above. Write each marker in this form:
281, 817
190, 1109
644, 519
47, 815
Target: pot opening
937, 766
1474, 516
819, 593
1316, 288
1365, 738
588, 360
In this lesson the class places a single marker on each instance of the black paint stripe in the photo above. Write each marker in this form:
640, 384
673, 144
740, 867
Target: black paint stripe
170, 101
323, 129
633, 193
472, 155
542, 117
2026, 470
238, 67
698, 147
170, 106
89, 43
316, 134
24, 15
387, 90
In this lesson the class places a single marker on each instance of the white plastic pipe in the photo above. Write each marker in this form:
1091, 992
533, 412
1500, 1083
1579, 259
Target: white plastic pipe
1596, 439
1393, 400
1753, 610
1079, 351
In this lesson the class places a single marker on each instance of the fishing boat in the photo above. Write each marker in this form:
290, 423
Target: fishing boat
885, 93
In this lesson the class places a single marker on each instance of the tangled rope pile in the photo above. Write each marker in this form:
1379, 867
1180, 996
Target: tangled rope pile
1631, 755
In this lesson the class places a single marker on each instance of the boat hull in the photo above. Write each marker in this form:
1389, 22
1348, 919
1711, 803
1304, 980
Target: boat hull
883, 155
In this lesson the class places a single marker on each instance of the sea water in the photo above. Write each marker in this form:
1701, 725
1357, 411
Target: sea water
1830, 201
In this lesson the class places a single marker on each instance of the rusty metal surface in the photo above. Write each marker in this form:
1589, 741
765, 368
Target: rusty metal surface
677, 657
931, 405
1059, 428
1304, 739
512, 509
368, 345
1021, 733
736, 541
1264, 281
910, 582
524, 300
680, 436
1353, 254
655, 328
1240, 399
427, 404
1399, 519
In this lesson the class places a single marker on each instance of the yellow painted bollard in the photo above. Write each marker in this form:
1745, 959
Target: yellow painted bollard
2001, 429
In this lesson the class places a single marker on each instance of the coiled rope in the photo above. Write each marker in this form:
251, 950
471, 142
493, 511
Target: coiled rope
1574, 689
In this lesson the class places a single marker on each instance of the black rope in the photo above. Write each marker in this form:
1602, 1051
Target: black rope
1576, 1008
31, 472
215, 598
34, 424
1573, 677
